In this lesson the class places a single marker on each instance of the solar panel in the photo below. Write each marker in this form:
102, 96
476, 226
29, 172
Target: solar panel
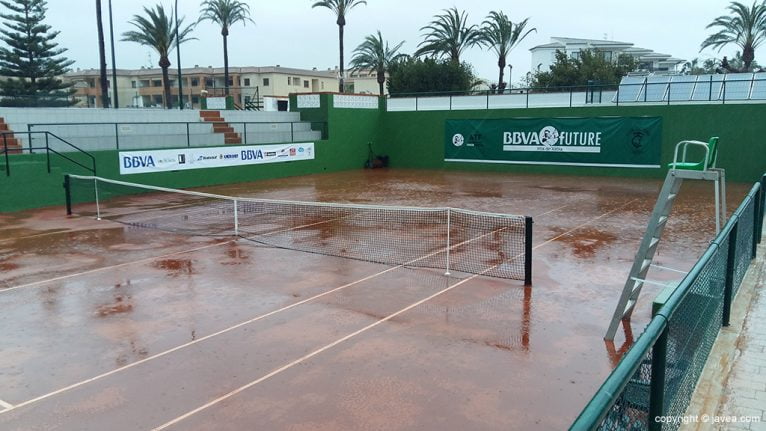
656, 87
708, 87
631, 87
759, 87
681, 88
737, 86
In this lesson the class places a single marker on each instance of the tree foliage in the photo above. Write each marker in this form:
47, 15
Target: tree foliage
744, 27
590, 66
157, 30
375, 54
225, 13
429, 75
340, 8
32, 61
448, 36
501, 35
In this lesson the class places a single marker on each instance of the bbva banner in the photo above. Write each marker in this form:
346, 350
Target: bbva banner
141, 162
594, 141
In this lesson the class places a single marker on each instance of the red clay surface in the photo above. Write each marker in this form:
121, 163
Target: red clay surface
112, 327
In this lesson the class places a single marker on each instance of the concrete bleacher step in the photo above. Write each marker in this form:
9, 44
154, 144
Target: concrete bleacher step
230, 137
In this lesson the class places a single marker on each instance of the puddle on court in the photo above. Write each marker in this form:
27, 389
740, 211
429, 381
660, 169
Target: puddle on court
121, 305
176, 267
585, 242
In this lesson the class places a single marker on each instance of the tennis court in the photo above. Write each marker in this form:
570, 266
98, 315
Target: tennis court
121, 325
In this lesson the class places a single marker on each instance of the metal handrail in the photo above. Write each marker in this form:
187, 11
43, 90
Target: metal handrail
48, 150
322, 127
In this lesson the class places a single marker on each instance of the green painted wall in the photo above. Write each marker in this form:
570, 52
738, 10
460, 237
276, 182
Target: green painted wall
416, 139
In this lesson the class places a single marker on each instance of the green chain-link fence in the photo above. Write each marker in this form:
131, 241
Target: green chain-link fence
657, 376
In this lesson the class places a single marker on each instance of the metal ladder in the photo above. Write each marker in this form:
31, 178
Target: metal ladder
645, 256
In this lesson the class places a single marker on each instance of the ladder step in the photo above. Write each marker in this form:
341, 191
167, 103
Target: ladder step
672, 196
646, 264
653, 243
655, 283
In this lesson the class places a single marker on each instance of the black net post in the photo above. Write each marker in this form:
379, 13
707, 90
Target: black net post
68, 194
657, 385
528, 251
731, 264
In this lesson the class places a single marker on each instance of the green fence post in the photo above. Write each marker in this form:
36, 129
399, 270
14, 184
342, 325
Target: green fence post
763, 208
657, 389
731, 262
528, 222
756, 222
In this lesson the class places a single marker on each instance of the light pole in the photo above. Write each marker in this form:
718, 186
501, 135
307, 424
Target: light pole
510, 77
116, 100
178, 51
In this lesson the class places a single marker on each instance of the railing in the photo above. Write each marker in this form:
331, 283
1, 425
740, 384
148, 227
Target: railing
657, 376
715, 89
188, 130
48, 150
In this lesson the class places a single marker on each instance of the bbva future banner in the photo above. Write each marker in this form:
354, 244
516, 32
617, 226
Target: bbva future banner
595, 141
139, 162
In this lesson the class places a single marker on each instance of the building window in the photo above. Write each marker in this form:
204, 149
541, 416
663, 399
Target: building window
145, 83
322, 85
195, 82
296, 82
157, 83
231, 82
209, 82
247, 82
265, 82
305, 84
133, 84
195, 99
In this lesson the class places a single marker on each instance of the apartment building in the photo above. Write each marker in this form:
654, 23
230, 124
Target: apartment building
143, 87
543, 56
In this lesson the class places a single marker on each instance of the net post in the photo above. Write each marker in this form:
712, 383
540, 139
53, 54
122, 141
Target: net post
528, 222
98, 207
68, 194
236, 219
657, 386
447, 273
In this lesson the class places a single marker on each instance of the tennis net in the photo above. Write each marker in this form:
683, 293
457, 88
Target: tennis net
496, 245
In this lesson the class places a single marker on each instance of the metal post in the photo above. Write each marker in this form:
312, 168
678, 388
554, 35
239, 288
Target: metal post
178, 52
756, 216
528, 222
68, 194
5, 151
449, 227
731, 262
669, 83
710, 89
570, 97
450, 102
723, 101
98, 207
244, 133
487, 100
117, 135
763, 208
716, 192
116, 99
527, 97
188, 136
618, 95
657, 385
47, 153
292, 132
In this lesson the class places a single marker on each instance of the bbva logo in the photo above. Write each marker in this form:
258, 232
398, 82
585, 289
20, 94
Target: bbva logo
138, 162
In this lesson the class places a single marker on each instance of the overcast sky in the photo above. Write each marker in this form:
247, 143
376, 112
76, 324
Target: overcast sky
291, 34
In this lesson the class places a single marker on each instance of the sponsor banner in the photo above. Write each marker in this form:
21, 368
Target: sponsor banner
595, 141
141, 162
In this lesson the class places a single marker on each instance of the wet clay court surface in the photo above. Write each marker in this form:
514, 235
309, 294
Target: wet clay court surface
107, 326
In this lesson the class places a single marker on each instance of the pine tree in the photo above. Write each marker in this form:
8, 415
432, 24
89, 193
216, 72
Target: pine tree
31, 61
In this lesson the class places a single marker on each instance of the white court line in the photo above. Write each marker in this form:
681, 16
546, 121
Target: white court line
362, 330
5, 405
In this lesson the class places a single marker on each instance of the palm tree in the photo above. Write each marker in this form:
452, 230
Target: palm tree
101, 58
448, 35
225, 13
501, 35
745, 27
340, 8
157, 30
374, 54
